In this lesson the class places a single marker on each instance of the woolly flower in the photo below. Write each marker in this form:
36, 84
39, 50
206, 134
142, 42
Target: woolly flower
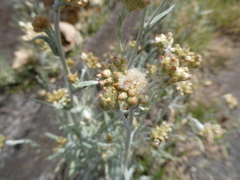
133, 79
231, 101
122, 87
133, 5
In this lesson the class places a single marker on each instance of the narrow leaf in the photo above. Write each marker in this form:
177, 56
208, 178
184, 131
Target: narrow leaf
157, 19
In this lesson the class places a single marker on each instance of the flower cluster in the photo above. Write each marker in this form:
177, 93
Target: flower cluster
160, 133
91, 60
30, 34
40, 23
121, 86
60, 142
133, 5
73, 78
186, 57
211, 131
173, 66
59, 97
231, 101
77, 2
163, 41
168, 71
185, 87
2, 141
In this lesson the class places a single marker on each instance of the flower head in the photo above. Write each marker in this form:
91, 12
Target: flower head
133, 5
121, 85
40, 23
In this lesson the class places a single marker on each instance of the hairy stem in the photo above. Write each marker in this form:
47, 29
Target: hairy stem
66, 70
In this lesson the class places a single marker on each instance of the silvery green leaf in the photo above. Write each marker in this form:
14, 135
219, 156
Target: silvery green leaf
200, 143
49, 41
84, 84
72, 169
157, 19
50, 135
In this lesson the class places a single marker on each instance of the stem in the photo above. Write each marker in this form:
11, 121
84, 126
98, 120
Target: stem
139, 38
128, 141
66, 70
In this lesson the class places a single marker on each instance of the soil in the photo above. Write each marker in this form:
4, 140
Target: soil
24, 118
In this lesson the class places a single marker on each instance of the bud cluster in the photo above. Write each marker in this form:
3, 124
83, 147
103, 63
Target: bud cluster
59, 97
61, 141
168, 71
70, 63
2, 141
133, 5
186, 57
91, 60
185, 87
211, 131
159, 134
231, 101
73, 78
127, 87
40, 23
77, 2
163, 41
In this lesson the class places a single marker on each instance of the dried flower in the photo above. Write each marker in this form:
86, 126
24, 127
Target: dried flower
109, 138
231, 101
77, 2
40, 23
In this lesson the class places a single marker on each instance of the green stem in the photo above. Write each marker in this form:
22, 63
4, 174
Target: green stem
66, 70
139, 38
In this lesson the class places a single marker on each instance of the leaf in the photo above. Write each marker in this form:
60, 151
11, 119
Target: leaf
157, 19
84, 84
50, 135
49, 41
